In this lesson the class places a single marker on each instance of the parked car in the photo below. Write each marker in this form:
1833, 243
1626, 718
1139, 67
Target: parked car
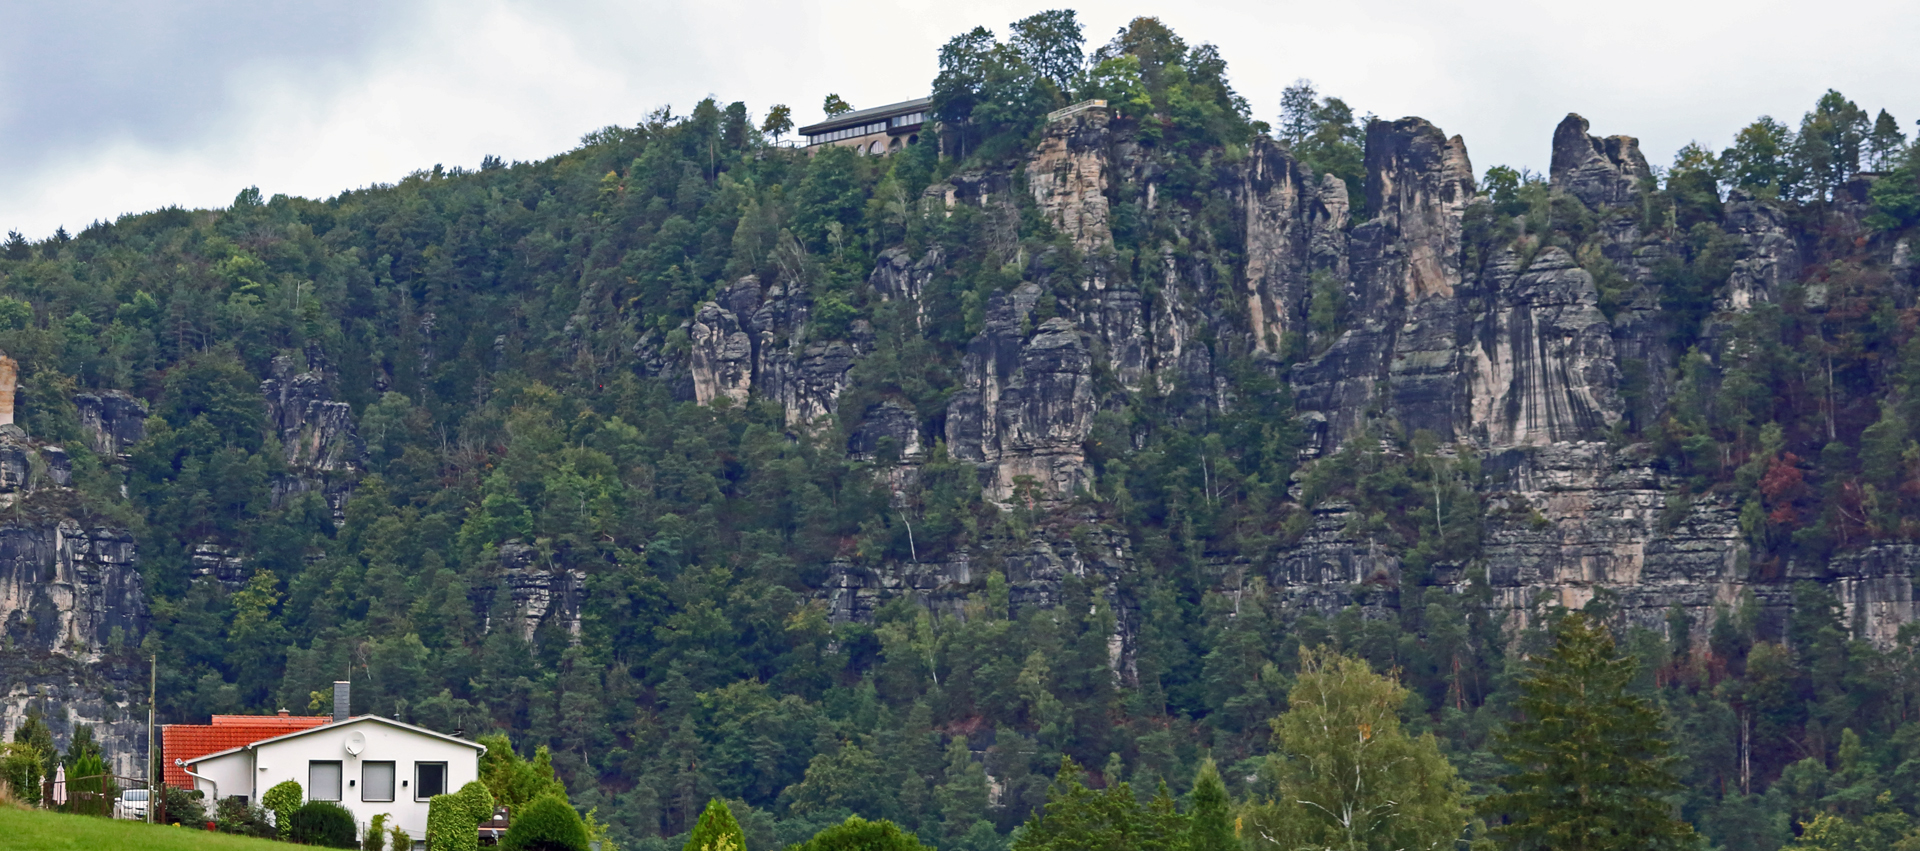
131, 805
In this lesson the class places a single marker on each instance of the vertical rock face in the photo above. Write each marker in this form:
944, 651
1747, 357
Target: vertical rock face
70, 591
769, 352
1600, 172
888, 428
9, 381
1067, 174
1405, 268
1543, 368
112, 420
721, 356
73, 607
316, 433
540, 592
1296, 226
1767, 252
1026, 401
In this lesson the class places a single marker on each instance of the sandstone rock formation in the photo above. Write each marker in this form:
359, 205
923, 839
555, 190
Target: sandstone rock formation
112, 420
1514, 360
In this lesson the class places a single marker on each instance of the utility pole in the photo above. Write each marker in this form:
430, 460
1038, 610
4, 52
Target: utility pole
153, 680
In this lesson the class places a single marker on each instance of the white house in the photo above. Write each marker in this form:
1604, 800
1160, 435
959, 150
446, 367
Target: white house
368, 764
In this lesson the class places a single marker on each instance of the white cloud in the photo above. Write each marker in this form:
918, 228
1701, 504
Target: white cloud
448, 82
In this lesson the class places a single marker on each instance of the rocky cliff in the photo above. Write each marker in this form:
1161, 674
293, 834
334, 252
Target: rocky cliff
1510, 356
73, 605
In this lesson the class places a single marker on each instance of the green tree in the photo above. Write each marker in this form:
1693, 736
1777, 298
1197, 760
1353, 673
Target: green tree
1885, 828
1830, 142
1076, 818
1324, 134
1050, 42
1588, 761
1757, 161
21, 767
16, 247
1210, 812
515, 782
835, 105
850, 778
858, 834
1346, 775
1887, 144
779, 121
716, 831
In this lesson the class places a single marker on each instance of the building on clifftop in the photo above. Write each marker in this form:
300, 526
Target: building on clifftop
880, 130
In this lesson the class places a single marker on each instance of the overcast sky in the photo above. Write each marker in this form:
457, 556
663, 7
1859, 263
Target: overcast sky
115, 107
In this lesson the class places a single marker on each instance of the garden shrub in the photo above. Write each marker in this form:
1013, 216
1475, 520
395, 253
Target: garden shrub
453, 821
547, 824
324, 823
232, 815
183, 806
376, 838
282, 800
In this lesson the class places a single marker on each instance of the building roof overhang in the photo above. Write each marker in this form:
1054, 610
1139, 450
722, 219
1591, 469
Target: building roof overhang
335, 725
862, 116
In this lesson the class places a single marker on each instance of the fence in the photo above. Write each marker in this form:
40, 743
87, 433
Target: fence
100, 795
1076, 109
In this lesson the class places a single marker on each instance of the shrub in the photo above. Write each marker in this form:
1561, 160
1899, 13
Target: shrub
21, 766
453, 821
182, 806
232, 815
376, 838
400, 840
323, 823
717, 830
547, 824
282, 800
858, 834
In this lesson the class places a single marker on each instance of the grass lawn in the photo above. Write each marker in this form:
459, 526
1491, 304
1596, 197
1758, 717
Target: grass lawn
48, 831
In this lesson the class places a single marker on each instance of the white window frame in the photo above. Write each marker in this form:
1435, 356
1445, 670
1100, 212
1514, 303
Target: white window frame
416, 780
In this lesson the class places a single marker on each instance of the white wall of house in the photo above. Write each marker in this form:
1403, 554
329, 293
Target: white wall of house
313, 755
233, 773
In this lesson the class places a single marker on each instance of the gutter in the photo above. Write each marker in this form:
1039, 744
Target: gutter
215, 783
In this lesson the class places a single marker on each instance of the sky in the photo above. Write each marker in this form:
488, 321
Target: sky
108, 108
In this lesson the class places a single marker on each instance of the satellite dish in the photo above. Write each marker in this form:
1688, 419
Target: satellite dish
356, 742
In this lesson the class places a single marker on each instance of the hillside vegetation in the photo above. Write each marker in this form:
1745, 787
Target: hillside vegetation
558, 514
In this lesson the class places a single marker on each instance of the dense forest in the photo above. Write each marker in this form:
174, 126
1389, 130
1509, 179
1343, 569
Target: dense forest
519, 343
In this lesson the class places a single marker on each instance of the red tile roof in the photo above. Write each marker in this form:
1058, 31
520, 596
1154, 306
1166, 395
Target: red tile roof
187, 741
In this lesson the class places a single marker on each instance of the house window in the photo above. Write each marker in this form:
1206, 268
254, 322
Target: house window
429, 779
376, 781
323, 780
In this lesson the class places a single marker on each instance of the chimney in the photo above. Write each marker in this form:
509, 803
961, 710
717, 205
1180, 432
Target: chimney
283, 713
340, 694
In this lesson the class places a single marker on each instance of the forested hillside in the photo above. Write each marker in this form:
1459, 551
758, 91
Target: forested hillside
833, 484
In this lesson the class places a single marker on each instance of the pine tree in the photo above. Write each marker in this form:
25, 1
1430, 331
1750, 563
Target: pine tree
1885, 143
1210, 813
1346, 775
1589, 762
